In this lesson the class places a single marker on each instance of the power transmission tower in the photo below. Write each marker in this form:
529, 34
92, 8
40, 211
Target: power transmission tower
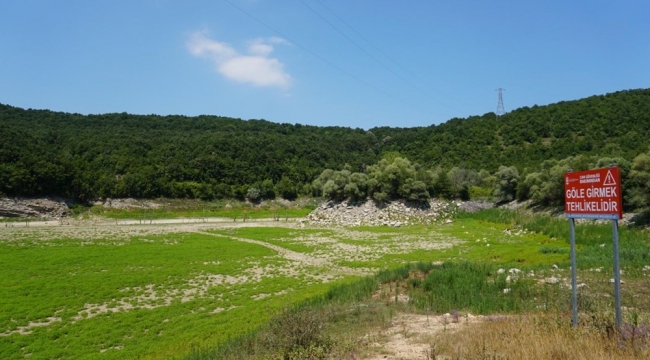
500, 109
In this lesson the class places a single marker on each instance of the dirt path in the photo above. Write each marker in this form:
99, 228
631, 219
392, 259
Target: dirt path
412, 336
300, 258
283, 252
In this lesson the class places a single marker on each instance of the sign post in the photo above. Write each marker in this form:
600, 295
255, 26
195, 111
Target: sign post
594, 194
574, 288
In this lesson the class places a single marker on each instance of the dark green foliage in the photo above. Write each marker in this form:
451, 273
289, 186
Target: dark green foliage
507, 181
388, 179
286, 188
545, 186
122, 155
442, 186
640, 181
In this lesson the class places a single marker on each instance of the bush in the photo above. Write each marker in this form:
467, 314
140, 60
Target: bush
480, 193
253, 194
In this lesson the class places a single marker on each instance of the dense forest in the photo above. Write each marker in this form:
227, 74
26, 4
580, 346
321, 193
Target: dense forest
85, 157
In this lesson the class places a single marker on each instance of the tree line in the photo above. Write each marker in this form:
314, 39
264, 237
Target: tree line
86, 157
395, 177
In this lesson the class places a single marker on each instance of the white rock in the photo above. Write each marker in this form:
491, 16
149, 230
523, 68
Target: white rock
551, 280
506, 290
508, 279
555, 267
501, 271
514, 271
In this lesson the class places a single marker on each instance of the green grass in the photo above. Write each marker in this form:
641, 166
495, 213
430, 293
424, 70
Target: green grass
291, 239
241, 214
593, 240
57, 278
476, 240
189, 208
467, 281
477, 288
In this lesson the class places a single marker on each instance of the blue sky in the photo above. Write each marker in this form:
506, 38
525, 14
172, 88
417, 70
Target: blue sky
356, 63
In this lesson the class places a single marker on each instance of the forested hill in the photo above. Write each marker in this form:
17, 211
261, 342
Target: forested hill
118, 155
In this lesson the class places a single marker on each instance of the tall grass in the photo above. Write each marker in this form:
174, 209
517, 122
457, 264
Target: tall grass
593, 239
542, 337
478, 288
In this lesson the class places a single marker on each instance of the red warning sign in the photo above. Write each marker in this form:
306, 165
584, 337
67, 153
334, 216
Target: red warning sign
594, 194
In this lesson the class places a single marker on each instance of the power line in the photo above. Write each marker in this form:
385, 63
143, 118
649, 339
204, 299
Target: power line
378, 49
366, 52
321, 58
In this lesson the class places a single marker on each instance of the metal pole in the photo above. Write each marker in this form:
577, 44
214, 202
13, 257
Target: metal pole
617, 275
574, 287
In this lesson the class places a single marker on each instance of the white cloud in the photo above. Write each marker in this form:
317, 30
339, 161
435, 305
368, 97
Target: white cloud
259, 47
257, 68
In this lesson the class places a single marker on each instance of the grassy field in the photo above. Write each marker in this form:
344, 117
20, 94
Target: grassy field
196, 290
142, 297
499, 266
178, 208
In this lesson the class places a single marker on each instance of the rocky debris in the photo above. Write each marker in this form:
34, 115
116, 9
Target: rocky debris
40, 208
474, 206
396, 213
515, 205
128, 203
551, 280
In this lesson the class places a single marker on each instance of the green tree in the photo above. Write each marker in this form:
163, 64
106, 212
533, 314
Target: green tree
507, 179
286, 189
442, 187
640, 179
267, 189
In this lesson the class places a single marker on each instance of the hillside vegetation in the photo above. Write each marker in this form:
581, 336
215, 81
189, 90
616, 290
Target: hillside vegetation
121, 155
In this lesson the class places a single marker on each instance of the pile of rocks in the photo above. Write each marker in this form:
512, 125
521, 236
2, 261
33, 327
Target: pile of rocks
39, 208
473, 205
395, 213
128, 203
